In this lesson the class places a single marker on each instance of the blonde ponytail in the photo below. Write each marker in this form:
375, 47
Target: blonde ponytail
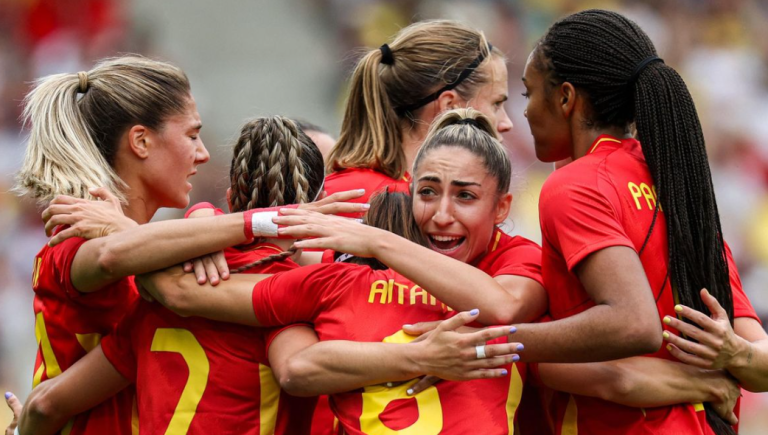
76, 121
61, 157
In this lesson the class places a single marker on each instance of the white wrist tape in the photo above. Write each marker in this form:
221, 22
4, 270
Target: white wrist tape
262, 224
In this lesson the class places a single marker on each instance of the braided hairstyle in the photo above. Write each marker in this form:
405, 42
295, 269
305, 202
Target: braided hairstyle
274, 163
598, 52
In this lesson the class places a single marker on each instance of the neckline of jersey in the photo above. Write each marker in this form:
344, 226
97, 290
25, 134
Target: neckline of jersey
603, 138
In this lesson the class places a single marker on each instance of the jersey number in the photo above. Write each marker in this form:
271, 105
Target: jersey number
184, 343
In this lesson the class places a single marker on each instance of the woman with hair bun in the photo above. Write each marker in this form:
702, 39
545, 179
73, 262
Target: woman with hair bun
129, 124
396, 92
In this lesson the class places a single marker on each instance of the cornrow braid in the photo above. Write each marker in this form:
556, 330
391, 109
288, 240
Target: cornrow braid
597, 52
280, 256
274, 163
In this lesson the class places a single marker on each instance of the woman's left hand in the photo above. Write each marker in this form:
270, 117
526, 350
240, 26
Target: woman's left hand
329, 232
718, 346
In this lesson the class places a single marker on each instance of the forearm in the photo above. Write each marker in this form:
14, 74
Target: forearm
601, 333
750, 366
459, 285
638, 382
161, 244
230, 301
337, 366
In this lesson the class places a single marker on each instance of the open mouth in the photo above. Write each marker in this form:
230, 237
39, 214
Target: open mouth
446, 244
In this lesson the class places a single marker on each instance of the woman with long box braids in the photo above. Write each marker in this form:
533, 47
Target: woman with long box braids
627, 226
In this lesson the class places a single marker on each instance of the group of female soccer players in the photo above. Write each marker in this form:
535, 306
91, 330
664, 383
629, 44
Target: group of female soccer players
288, 296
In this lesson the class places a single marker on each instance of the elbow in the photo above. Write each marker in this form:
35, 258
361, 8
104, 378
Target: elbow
643, 338
291, 377
108, 260
619, 385
42, 406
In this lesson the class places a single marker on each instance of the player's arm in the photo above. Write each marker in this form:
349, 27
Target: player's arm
103, 260
623, 323
306, 367
87, 383
644, 382
230, 301
741, 349
504, 300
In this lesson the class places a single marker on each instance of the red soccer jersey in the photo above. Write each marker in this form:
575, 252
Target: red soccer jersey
198, 376
69, 323
607, 198
342, 300
361, 178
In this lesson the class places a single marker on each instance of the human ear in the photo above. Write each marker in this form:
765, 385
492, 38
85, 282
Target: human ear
448, 100
567, 97
138, 141
502, 208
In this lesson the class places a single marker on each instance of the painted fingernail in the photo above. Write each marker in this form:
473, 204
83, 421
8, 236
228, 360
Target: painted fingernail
678, 308
366, 206
390, 384
515, 358
474, 312
361, 190
667, 320
8, 395
520, 347
409, 391
408, 326
665, 334
669, 347
504, 372
513, 329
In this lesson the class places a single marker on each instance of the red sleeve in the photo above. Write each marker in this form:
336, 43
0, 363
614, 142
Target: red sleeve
741, 305
272, 333
522, 259
203, 205
118, 346
299, 295
578, 220
62, 256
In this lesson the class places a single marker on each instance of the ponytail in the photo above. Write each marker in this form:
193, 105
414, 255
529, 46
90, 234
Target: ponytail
76, 122
371, 131
61, 156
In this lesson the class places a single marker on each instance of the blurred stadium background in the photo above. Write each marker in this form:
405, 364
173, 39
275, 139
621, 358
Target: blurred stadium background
248, 58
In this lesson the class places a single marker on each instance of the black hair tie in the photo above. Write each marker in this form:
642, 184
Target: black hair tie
386, 55
467, 121
402, 110
640, 67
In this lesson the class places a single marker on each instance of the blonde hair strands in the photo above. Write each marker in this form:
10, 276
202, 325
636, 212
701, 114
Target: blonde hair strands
74, 135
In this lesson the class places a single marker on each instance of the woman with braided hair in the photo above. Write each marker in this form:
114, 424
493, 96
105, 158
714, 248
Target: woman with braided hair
397, 90
630, 228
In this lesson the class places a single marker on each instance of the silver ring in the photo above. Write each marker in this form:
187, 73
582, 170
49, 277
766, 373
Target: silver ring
480, 351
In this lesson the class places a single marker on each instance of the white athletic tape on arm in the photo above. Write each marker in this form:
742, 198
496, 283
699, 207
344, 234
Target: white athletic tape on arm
262, 224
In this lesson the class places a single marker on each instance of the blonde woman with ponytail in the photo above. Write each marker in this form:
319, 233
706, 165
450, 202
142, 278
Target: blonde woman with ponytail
396, 92
129, 124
